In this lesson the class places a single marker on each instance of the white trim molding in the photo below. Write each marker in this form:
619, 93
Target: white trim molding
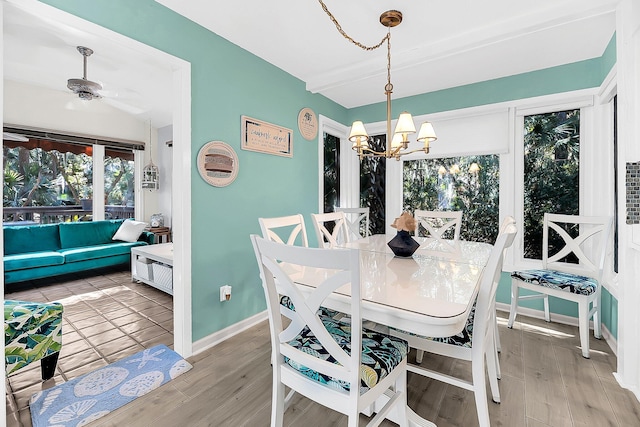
228, 332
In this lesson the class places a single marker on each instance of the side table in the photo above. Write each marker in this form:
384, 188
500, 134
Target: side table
161, 234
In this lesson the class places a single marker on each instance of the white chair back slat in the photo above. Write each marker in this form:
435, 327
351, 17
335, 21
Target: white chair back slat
330, 239
589, 246
357, 221
285, 229
437, 223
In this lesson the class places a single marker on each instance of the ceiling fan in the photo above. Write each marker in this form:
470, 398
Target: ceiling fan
86, 89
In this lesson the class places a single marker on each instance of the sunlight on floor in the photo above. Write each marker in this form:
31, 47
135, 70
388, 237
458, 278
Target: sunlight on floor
536, 328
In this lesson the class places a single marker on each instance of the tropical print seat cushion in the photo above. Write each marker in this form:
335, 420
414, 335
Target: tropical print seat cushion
31, 331
567, 282
463, 339
323, 311
380, 353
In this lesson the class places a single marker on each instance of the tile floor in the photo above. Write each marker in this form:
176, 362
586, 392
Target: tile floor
106, 317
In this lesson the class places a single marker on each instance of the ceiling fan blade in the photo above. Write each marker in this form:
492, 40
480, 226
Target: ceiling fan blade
125, 106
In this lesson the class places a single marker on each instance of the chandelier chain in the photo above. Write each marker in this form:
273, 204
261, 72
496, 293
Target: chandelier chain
358, 134
389, 85
346, 36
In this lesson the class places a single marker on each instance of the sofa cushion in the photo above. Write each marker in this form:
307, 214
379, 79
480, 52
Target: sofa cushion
32, 260
89, 233
98, 251
129, 231
31, 238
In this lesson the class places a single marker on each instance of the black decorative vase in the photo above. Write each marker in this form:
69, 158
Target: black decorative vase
403, 244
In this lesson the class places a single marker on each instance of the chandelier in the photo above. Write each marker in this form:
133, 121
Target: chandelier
399, 138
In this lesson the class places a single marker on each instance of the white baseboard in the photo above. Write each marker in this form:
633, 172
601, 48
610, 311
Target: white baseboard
226, 333
560, 318
633, 389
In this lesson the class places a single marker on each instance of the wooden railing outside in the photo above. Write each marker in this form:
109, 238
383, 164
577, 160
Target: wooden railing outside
26, 215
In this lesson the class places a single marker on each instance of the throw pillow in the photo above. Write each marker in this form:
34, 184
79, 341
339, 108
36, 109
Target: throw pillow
129, 231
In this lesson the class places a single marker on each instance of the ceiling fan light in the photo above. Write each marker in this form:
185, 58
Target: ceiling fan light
84, 88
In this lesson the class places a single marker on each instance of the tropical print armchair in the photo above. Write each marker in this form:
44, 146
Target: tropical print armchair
32, 332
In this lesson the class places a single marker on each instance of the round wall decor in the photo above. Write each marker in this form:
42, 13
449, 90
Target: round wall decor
308, 123
218, 163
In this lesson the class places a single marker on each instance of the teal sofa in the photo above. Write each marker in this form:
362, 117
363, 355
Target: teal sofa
37, 251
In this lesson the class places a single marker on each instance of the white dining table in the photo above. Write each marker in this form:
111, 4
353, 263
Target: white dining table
430, 293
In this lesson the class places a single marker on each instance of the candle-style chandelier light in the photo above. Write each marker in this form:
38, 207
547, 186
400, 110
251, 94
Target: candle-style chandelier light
405, 126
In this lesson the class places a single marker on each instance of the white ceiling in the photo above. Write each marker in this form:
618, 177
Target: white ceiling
438, 45
41, 51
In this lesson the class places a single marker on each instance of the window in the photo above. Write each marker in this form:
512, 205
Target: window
119, 186
46, 177
373, 185
49, 178
469, 184
331, 172
551, 172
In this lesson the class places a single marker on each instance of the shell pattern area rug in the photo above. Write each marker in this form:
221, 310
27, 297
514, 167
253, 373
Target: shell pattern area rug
94, 395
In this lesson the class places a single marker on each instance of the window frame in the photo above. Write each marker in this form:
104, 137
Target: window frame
585, 107
596, 144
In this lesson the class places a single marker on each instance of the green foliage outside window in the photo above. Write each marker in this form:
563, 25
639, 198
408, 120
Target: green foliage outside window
469, 184
119, 181
44, 178
551, 173
331, 172
373, 185
51, 178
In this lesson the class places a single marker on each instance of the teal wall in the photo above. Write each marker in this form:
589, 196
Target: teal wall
228, 82
564, 78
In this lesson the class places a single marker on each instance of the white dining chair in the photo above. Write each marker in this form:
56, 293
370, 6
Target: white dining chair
438, 224
285, 229
476, 341
357, 221
578, 282
507, 223
289, 230
312, 353
331, 229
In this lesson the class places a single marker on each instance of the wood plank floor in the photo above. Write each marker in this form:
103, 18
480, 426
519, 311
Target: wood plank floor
545, 382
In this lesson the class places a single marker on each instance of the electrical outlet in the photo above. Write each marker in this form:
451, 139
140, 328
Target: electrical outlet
225, 293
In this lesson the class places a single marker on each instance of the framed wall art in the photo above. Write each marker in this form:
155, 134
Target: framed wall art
308, 123
266, 138
218, 163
